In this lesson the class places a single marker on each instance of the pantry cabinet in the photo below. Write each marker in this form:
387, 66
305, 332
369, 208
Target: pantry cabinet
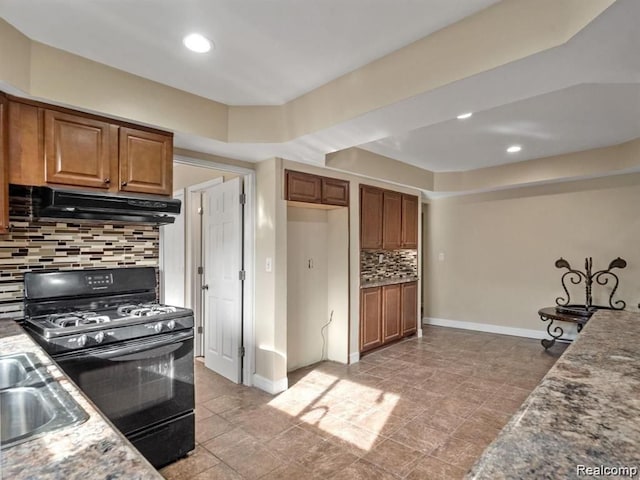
388, 219
49, 145
4, 183
387, 313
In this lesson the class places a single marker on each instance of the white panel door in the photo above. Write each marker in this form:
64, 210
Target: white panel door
172, 248
222, 251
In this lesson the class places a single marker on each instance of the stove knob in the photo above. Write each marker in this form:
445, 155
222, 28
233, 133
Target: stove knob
158, 327
82, 340
171, 324
99, 337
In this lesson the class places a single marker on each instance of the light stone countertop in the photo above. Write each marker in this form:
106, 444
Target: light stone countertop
585, 411
91, 450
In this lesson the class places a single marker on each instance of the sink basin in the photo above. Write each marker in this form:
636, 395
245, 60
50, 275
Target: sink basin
12, 372
19, 369
23, 411
32, 403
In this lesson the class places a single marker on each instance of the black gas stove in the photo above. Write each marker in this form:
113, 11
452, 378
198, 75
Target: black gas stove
131, 355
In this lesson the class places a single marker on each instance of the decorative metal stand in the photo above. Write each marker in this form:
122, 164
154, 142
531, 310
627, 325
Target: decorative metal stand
566, 311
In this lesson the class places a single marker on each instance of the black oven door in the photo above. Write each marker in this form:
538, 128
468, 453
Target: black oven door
139, 383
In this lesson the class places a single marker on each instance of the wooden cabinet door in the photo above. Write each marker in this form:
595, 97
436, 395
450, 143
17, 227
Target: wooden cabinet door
391, 312
335, 192
78, 150
145, 162
409, 308
4, 177
392, 220
370, 217
303, 187
409, 221
370, 318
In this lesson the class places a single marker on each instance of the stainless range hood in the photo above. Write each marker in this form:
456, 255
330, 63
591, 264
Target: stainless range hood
54, 203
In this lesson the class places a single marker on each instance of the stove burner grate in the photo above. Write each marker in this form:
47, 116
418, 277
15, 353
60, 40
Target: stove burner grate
76, 319
144, 309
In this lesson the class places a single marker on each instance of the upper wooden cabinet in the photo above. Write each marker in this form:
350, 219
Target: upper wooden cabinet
388, 219
145, 162
4, 181
51, 145
303, 187
371, 203
409, 221
309, 188
79, 151
392, 224
335, 192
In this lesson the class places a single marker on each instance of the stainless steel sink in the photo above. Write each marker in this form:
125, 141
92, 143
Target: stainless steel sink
19, 369
32, 403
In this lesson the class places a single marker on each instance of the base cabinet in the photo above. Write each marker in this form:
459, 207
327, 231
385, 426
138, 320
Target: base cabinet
387, 313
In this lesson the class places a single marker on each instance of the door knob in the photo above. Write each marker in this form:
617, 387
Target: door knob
107, 180
205, 287
123, 184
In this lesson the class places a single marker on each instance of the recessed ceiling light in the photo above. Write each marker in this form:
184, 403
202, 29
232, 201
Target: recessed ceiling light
514, 149
462, 116
197, 43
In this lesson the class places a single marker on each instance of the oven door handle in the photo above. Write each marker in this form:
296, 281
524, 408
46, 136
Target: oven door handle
121, 351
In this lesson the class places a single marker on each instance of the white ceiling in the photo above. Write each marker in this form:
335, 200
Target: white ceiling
581, 95
267, 52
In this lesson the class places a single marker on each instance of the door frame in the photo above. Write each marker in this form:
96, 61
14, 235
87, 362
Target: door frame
248, 253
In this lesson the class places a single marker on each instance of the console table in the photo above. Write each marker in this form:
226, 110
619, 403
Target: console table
549, 314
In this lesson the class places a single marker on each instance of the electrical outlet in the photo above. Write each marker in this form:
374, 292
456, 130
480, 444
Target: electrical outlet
380, 258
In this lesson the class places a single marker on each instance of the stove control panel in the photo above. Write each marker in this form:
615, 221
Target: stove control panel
99, 281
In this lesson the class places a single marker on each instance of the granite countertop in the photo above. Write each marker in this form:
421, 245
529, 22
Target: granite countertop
387, 281
586, 410
91, 450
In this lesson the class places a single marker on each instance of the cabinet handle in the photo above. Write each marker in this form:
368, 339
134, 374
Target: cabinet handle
107, 180
123, 184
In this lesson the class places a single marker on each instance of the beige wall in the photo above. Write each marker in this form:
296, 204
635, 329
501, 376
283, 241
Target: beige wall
307, 280
187, 175
499, 248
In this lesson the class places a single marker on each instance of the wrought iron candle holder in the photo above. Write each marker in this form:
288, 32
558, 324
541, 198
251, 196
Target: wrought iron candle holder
601, 277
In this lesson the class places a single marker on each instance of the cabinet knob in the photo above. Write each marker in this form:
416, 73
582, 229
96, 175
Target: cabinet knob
107, 180
123, 184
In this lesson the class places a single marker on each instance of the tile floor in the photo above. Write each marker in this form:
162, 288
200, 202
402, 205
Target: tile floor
423, 409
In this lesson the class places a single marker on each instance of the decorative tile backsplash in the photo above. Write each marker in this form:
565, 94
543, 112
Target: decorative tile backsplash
32, 245
394, 264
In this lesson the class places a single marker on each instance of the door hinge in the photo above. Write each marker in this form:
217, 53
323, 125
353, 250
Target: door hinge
200, 270
242, 275
200, 329
200, 210
243, 198
241, 351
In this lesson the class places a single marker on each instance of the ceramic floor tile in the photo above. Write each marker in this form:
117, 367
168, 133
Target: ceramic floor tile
430, 468
185, 469
393, 457
425, 407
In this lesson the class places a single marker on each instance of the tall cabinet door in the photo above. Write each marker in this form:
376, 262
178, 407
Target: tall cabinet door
79, 150
391, 311
4, 178
371, 201
145, 162
370, 316
392, 223
409, 221
409, 308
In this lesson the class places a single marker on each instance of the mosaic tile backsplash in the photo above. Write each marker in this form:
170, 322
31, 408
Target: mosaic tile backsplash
395, 263
32, 245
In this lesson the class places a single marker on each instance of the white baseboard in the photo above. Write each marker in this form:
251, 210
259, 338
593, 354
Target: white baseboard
354, 358
270, 386
419, 333
570, 330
